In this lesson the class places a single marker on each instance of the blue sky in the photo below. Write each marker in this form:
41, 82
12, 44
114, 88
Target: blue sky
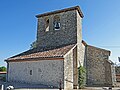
18, 24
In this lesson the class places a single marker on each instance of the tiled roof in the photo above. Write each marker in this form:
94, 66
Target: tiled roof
3, 72
63, 10
46, 53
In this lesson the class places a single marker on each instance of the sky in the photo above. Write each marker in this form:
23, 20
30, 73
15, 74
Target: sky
18, 24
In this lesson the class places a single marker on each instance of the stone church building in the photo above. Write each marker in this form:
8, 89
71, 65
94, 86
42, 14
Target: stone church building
59, 52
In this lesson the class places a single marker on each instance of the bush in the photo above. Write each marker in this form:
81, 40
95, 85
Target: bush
33, 45
2, 69
81, 77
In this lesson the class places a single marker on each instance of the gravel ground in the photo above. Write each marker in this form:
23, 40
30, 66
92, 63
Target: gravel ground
22, 86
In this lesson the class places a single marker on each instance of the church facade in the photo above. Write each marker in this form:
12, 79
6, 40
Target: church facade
59, 52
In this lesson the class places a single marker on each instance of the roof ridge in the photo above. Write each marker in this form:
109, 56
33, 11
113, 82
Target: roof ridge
63, 10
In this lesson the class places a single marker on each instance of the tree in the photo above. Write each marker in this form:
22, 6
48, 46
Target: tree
33, 45
3, 68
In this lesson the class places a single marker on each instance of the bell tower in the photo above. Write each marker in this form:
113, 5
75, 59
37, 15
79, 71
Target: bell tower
59, 28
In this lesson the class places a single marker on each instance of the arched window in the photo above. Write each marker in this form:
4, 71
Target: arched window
56, 22
30, 72
46, 25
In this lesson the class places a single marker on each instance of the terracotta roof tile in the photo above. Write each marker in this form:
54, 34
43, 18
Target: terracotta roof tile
3, 72
57, 52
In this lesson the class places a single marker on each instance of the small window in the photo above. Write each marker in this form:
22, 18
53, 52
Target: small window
47, 25
30, 72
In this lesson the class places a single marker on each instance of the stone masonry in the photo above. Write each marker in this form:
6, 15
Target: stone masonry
59, 52
54, 38
42, 72
99, 71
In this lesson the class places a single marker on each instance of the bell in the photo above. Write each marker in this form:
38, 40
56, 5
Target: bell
57, 25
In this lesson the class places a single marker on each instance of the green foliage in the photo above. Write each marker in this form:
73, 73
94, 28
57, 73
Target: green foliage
81, 77
3, 68
33, 45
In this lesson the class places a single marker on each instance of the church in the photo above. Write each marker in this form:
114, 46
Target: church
59, 52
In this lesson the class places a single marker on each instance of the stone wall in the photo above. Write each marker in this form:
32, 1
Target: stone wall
82, 56
80, 46
71, 69
117, 70
67, 33
96, 66
113, 74
68, 70
46, 72
108, 73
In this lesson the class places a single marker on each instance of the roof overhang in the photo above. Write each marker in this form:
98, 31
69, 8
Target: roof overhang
63, 10
35, 59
